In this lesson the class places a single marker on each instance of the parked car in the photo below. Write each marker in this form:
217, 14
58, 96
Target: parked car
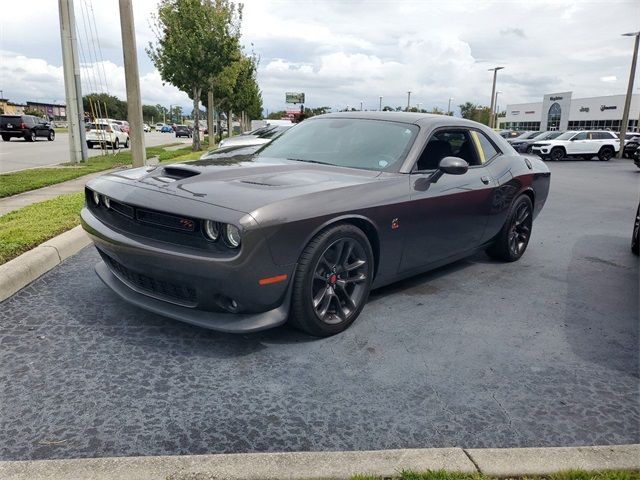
123, 124
166, 129
523, 136
525, 146
304, 227
146, 127
106, 135
506, 134
635, 241
183, 131
631, 145
159, 126
583, 144
28, 127
636, 157
264, 136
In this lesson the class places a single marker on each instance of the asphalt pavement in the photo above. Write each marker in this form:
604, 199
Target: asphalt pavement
19, 154
540, 352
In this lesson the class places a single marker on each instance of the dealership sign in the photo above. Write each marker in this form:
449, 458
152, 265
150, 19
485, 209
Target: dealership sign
294, 97
584, 109
607, 107
553, 99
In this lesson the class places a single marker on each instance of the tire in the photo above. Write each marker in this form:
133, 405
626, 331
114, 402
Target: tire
28, 137
89, 145
6, 138
557, 153
529, 149
52, 136
332, 281
513, 239
635, 242
605, 154
126, 144
116, 144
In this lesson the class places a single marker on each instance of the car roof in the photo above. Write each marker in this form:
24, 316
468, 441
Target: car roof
422, 119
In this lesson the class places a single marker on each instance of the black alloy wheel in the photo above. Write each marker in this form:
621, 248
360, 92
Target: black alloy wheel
52, 136
605, 154
556, 154
332, 281
512, 241
529, 149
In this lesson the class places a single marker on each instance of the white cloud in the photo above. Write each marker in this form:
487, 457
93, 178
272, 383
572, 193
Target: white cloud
609, 78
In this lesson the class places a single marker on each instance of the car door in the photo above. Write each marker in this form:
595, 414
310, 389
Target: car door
580, 143
448, 217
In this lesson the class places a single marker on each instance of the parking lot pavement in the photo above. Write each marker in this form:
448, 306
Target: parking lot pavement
19, 154
540, 352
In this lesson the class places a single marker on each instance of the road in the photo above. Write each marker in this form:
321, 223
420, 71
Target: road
19, 154
540, 352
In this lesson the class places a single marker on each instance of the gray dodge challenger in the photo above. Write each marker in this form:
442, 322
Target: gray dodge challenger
303, 228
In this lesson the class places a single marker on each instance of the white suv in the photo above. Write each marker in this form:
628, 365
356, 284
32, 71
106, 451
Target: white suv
583, 144
106, 134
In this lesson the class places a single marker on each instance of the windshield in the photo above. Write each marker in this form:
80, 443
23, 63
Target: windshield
345, 142
273, 132
566, 136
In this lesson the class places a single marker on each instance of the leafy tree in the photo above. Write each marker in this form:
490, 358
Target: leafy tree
475, 112
151, 113
276, 115
102, 105
194, 43
33, 111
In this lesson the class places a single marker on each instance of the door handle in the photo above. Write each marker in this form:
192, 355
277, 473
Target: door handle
485, 180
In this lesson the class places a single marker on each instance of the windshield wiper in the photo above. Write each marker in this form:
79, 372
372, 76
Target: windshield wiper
310, 161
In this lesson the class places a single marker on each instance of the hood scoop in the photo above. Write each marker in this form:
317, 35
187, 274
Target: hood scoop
178, 173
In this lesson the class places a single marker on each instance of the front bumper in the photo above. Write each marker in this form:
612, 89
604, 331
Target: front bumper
541, 151
190, 285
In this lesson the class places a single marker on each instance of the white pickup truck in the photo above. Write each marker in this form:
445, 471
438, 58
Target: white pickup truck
585, 144
106, 134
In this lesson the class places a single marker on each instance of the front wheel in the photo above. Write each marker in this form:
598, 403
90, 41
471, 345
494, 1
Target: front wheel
332, 281
556, 154
116, 144
605, 154
6, 138
126, 143
512, 241
52, 135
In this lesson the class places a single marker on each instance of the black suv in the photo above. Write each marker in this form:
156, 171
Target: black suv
25, 126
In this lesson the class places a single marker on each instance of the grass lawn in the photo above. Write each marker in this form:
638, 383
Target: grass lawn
60, 130
23, 229
567, 475
26, 228
25, 180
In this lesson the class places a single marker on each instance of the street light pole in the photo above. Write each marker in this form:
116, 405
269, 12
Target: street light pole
408, 99
493, 92
449, 107
494, 114
627, 101
418, 104
361, 106
380, 109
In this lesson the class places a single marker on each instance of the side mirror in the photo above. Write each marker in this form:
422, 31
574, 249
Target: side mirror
453, 166
450, 165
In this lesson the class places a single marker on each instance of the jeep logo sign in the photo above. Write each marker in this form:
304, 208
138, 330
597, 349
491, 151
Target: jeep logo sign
584, 109
608, 107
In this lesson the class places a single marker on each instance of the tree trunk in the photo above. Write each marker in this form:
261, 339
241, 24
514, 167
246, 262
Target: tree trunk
229, 123
210, 119
196, 117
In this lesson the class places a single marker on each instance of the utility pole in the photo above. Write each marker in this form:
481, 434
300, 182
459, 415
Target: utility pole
408, 99
73, 91
132, 82
493, 93
380, 108
449, 107
627, 100
494, 114
360, 106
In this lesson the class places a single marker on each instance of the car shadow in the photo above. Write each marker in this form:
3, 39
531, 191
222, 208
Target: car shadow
601, 320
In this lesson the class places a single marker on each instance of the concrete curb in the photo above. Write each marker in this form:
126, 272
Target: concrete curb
21, 271
328, 465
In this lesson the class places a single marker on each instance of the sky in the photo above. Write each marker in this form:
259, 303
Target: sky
344, 52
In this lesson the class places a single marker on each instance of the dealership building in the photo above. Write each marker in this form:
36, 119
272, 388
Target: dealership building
559, 111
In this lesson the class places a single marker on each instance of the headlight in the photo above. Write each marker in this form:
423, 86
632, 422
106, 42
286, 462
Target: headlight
221, 143
96, 198
211, 230
107, 202
232, 235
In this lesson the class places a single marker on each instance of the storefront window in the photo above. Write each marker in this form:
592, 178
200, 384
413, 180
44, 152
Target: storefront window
553, 118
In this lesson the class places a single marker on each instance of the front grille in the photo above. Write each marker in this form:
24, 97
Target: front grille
162, 289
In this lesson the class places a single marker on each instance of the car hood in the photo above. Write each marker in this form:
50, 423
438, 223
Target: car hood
238, 179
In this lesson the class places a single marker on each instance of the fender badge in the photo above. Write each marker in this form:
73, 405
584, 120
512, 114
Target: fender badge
395, 224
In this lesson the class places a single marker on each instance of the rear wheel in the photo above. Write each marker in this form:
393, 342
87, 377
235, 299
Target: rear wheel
605, 154
6, 138
52, 136
28, 137
126, 143
89, 145
529, 149
332, 281
116, 144
556, 154
512, 241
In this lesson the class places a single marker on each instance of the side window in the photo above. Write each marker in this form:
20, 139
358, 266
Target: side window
486, 149
447, 143
580, 136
